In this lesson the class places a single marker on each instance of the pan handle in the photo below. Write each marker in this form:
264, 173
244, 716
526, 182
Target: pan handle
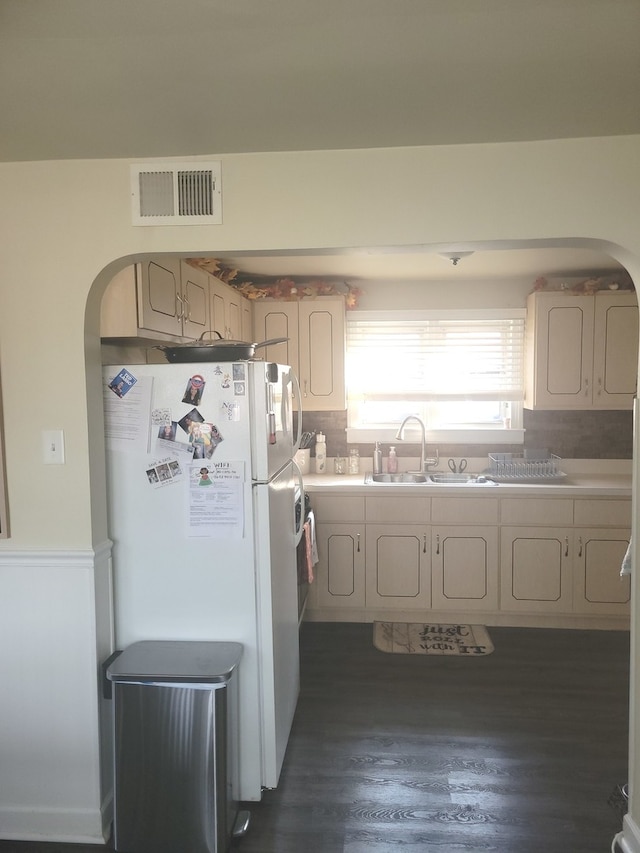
270, 342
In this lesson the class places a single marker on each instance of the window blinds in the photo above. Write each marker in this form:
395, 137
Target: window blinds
471, 355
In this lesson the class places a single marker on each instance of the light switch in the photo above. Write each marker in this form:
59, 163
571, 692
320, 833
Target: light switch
53, 447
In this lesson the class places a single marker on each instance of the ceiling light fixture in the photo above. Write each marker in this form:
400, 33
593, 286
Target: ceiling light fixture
455, 257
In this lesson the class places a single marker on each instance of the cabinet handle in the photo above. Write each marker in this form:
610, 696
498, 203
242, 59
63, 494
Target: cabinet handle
180, 306
566, 546
579, 546
304, 383
188, 314
586, 386
424, 543
437, 543
358, 540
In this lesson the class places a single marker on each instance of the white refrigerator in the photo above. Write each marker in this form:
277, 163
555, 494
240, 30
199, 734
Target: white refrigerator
201, 489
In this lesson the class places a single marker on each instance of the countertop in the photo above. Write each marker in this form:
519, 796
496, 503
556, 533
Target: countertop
580, 484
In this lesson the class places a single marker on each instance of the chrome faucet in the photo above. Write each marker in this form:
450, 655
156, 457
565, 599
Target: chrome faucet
425, 462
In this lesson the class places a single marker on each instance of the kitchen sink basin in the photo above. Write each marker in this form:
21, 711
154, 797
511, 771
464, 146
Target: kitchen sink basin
405, 477
448, 477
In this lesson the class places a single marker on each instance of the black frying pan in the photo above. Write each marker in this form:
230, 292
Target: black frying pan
220, 350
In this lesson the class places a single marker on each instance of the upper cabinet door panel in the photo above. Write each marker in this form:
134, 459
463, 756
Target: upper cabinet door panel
195, 301
315, 329
277, 320
321, 349
567, 358
616, 353
582, 351
160, 300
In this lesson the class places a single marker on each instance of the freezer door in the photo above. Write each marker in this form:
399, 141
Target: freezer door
273, 392
277, 589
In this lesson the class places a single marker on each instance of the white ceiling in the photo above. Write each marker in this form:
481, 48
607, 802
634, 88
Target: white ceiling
417, 265
155, 78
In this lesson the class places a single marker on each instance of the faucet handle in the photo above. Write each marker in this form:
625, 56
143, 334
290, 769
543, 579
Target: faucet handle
433, 461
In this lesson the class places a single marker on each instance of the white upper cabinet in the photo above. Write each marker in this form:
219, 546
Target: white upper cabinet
581, 351
315, 329
173, 297
230, 312
163, 296
194, 301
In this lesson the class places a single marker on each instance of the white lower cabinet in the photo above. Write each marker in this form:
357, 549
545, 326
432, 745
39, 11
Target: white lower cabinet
547, 570
339, 574
341, 568
598, 586
464, 568
398, 567
516, 560
535, 570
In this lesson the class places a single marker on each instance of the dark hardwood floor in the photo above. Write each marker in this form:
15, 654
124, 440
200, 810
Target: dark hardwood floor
515, 752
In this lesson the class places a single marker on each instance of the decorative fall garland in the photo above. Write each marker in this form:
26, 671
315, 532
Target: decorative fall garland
280, 288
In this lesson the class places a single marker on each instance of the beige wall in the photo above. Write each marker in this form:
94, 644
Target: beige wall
64, 223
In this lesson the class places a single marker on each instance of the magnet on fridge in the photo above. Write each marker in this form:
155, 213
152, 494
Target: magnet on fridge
194, 390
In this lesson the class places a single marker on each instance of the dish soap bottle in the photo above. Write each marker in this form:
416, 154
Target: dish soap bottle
321, 454
392, 461
377, 459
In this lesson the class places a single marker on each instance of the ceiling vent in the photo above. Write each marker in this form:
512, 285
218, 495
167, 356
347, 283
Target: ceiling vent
170, 194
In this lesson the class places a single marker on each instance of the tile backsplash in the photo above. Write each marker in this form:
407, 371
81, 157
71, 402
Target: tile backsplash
570, 435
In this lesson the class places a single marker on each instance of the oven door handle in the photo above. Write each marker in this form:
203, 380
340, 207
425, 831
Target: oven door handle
299, 526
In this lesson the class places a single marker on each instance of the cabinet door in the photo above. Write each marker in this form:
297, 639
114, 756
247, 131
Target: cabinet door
535, 569
321, 344
160, 301
464, 568
273, 319
217, 309
340, 569
247, 326
398, 567
615, 368
195, 301
598, 587
234, 315
559, 344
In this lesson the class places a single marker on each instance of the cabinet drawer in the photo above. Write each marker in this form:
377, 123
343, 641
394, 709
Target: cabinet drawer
464, 511
402, 509
537, 511
599, 512
338, 507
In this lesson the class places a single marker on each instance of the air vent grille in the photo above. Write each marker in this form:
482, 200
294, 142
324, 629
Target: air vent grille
171, 195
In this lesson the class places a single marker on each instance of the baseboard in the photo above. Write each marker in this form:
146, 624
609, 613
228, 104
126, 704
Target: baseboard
470, 617
71, 826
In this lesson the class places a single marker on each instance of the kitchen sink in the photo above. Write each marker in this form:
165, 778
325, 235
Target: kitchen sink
433, 478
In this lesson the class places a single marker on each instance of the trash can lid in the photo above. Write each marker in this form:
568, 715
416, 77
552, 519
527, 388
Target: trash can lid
176, 661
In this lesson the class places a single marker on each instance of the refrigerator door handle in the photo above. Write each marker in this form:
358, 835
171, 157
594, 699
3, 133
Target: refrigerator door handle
297, 396
300, 528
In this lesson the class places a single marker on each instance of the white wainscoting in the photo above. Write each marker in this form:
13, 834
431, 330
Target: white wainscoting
56, 628
630, 840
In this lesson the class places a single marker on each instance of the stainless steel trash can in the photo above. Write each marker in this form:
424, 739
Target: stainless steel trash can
175, 747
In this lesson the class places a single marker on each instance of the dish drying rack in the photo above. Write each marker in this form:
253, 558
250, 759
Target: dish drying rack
532, 467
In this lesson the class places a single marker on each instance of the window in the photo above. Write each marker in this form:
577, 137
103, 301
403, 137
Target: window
460, 371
